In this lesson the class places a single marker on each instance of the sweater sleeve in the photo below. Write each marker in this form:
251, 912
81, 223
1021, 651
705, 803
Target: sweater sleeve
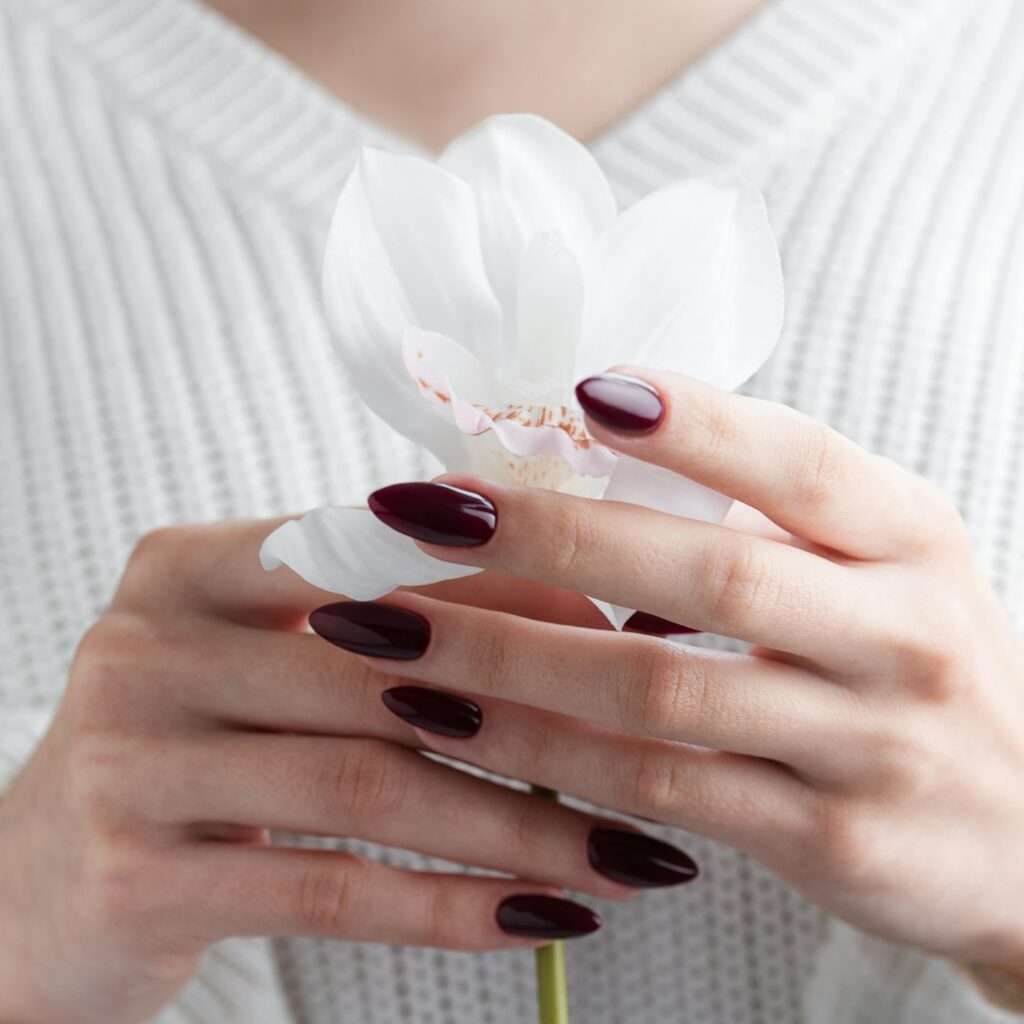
861, 979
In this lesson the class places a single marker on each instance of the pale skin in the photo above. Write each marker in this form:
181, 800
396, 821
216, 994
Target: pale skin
869, 749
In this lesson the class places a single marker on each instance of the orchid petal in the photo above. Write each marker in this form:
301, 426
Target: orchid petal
529, 177
441, 367
549, 308
688, 279
585, 457
643, 483
350, 551
427, 221
444, 372
379, 281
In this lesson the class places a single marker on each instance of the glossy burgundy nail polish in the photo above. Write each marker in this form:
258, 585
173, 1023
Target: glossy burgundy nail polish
621, 403
434, 711
366, 627
436, 513
639, 860
546, 917
654, 625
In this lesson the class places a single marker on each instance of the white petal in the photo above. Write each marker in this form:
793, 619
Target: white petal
441, 367
529, 177
349, 551
549, 308
592, 459
458, 387
370, 307
688, 279
427, 220
642, 483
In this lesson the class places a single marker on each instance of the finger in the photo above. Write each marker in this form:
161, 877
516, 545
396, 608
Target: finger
235, 676
373, 790
753, 804
635, 684
709, 577
274, 891
215, 567
799, 472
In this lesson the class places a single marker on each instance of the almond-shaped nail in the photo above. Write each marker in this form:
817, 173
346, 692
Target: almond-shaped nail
366, 627
537, 916
436, 513
654, 625
434, 710
637, 859
621, 403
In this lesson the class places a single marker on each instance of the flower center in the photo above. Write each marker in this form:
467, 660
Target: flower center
560, 417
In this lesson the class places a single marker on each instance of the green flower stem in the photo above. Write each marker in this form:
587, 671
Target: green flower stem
552, 990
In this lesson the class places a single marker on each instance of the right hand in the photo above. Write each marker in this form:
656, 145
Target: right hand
199, 714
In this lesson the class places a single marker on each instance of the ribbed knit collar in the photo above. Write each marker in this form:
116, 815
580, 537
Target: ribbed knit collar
225, 94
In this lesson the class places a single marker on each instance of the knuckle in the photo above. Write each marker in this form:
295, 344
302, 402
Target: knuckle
710, 429
116, 654
491, 658
818, 468
573, 540
154, 555
116, 884
931, 659
666, 697
445, 926
99, 663
655, 786
843, 842
367, 779
324, 898
906, 767
96, 764
737, 580
522, 824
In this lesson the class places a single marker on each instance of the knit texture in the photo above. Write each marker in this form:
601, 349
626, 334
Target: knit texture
165, 190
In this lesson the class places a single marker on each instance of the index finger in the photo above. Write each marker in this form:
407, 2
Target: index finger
801, 473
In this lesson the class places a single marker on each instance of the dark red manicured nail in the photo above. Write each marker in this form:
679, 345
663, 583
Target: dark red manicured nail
654, 625
636, 859
365, 627
621, 403
546, 917
436, 513
434, 711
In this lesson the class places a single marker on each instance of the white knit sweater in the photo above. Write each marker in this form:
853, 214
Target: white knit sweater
165, 188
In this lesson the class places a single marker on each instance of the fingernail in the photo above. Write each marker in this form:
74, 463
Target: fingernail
366, 627
636, 859
621, 403
436, 513
546, 917
433, 710
654, 625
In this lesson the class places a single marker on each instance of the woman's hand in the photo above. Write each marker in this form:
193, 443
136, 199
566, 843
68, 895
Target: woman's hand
198, 714
870, 746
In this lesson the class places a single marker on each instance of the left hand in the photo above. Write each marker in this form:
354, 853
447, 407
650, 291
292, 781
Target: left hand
869, 749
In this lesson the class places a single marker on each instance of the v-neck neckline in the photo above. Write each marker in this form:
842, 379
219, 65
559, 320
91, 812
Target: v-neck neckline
223, 92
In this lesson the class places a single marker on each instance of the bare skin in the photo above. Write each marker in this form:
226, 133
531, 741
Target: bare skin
428, 69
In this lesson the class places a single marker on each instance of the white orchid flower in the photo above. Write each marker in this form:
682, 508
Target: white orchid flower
467, 296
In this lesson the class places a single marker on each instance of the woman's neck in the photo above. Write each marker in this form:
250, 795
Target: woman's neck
428, 69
